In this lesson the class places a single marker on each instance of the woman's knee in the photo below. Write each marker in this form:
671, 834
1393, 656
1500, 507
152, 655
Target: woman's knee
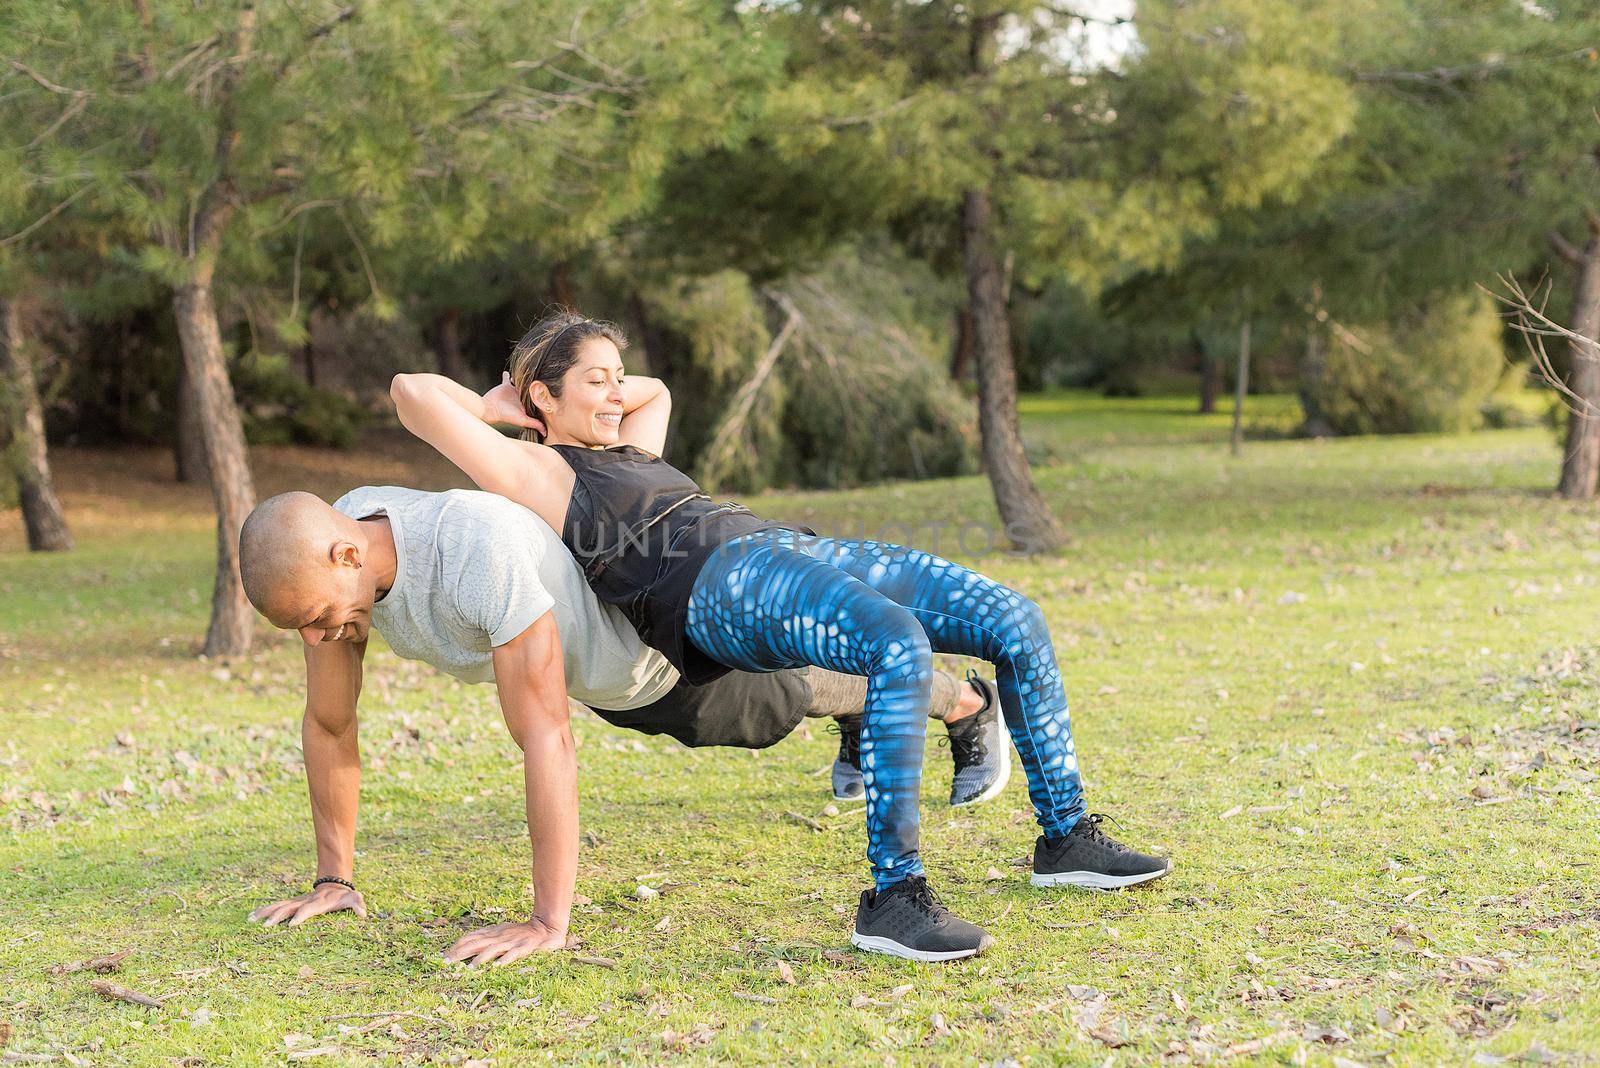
1022, 626
901, 645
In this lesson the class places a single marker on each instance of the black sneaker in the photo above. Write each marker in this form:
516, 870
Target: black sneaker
979, 748
1089, 857
907, 921
847, 784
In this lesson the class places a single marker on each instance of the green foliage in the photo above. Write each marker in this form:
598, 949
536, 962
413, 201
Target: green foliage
1433, 369
280, 409
857, 394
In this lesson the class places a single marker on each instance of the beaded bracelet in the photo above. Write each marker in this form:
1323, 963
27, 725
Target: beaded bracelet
333, 879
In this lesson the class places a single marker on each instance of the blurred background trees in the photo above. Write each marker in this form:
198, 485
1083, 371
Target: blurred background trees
845, 233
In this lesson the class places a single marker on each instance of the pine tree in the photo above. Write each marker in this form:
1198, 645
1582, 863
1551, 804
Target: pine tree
994, 132
205, 130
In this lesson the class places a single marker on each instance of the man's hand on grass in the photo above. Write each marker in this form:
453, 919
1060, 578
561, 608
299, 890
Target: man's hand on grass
329, 897
505, 942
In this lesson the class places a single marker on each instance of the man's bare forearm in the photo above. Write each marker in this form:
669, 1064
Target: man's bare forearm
333, 770
550, 772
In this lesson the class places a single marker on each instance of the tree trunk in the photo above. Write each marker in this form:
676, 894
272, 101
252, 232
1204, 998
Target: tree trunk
1580, 460
1027, 520
561, 287
961, 347
1210, 374
232, 490
188, 440
1241, 387
41, 510
447, 345
648, 342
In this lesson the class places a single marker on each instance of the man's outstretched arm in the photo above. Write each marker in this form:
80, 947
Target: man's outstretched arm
533, 698
333, 771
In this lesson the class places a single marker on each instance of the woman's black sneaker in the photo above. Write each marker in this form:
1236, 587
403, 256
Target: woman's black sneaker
1088, 856
906, 920
847, 784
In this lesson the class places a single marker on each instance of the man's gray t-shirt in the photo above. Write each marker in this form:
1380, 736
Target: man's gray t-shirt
474, 570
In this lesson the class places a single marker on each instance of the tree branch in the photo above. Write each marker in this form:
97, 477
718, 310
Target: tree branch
317, 33
46, 217
1534, 326
1564, 248
720, 450
22, 67
1446, 76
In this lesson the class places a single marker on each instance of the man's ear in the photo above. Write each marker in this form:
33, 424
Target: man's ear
345, 554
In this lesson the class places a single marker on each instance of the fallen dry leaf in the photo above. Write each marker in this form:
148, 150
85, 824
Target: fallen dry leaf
1478, 965
785, 973
598, 962
111, 962
1107, 1037
317, 1051
107, 989
1326, 1034
995, 874
1389, 1021
804, 821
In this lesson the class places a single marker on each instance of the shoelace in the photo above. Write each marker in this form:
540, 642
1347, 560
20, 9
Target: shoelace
1092, 830
965, 741
922, 895
849, 741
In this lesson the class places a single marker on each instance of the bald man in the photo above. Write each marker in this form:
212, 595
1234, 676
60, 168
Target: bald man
483, 589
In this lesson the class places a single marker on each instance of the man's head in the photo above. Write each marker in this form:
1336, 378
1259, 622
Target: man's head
303, 567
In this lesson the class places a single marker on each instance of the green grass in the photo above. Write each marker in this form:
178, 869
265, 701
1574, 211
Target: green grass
1350, 686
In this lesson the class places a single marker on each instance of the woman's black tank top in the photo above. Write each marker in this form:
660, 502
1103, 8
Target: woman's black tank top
641, 530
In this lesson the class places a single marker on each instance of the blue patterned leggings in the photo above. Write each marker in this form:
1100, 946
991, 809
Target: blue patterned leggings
781, 599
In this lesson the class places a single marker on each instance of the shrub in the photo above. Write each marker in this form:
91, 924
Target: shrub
1433, 370
858, 394
279, 408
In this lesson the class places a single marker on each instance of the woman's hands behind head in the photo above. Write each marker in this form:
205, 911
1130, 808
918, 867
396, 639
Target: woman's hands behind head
503, 407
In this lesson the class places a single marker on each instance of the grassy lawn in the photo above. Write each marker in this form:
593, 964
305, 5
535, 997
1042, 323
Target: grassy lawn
1348, 685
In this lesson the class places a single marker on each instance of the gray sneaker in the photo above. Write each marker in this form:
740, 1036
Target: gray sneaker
907, 920
980, 749
847, 784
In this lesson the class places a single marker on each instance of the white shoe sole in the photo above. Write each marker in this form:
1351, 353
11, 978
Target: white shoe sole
862, 796
879, 944
999, 783
1093, 880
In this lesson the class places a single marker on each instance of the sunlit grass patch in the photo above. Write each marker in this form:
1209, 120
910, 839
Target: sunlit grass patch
1350, 686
